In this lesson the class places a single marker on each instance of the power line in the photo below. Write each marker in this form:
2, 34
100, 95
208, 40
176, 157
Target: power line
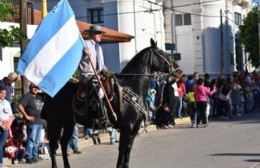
154, 10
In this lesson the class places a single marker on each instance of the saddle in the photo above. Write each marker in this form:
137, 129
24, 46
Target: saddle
88, 97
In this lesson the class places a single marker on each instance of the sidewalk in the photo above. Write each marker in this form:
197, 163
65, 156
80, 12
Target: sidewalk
104, 137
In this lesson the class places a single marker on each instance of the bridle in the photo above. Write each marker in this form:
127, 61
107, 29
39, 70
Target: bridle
153, 52
168, 62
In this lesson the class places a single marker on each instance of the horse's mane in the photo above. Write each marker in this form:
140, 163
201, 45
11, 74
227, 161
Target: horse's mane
137, 59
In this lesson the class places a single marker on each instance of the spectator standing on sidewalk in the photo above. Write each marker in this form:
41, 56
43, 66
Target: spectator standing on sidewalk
170, 99
207, 84
236, 98
7, 82
113, 135
201, 92
225, 98
192, 106
6, 119
73, 142
182, 92
30, 107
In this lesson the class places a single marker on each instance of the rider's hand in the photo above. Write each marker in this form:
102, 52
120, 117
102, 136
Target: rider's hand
105, 70
86, 52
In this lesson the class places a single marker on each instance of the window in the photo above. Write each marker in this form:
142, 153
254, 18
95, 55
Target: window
187, 19
183, 19
178, 20
97, 16
237, 18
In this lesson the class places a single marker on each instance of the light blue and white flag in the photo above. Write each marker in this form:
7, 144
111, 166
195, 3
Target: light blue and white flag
54, 52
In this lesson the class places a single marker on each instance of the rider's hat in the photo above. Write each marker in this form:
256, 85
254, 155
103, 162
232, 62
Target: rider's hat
95, 29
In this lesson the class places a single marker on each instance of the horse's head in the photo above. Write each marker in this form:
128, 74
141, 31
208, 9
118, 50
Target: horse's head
160, 60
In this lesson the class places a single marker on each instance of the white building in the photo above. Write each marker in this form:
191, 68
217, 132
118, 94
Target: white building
138, 18
8, 54
195, 27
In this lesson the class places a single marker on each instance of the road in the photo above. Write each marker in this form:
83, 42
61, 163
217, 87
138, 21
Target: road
223, 144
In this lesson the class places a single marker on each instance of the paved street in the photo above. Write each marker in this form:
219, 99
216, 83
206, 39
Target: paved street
224, 144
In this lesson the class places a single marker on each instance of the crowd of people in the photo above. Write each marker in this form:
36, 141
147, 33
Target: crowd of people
22, 134
198, 97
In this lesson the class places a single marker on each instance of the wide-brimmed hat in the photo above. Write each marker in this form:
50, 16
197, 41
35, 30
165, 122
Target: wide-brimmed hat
95, 29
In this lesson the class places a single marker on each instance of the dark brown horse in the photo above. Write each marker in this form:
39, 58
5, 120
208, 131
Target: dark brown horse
130, 88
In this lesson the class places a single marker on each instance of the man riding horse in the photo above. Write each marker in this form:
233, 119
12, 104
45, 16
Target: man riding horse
93, 60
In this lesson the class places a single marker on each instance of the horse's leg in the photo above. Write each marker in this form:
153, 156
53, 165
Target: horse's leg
66, 135
127, 136
123, 142
54, 136
131, 141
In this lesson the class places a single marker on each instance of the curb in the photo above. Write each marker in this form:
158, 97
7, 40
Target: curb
105, 138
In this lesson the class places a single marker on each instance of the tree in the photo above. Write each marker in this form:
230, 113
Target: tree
9, 36
249, 37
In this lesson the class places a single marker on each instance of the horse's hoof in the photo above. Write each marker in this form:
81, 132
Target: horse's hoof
99, 141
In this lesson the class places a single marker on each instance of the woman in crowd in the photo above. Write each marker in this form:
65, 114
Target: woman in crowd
182, 92
170, 98
201, 92
192, 106
6, 119
224, 106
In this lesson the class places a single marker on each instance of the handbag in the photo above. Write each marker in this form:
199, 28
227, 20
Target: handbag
222, 96
9, 148
10, 151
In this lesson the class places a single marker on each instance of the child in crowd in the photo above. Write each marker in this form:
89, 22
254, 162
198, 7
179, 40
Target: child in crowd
150, 100
19, 138
192, 106
163, 117
44, 147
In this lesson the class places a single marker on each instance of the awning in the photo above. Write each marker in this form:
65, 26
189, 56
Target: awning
110, 36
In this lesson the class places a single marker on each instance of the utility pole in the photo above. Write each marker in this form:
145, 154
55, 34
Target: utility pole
23, 42
44, 8
221, 45
258, 14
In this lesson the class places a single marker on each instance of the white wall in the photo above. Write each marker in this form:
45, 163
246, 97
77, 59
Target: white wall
199, 44
8, 53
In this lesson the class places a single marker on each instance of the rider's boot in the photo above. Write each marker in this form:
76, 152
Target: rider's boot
103, 113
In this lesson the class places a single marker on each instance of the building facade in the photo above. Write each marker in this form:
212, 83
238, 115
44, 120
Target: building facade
139, 18
207, 42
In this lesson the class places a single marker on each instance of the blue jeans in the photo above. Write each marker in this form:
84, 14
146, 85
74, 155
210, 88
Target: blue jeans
179, 111
73, 142
33, 141
112, 133
3, 136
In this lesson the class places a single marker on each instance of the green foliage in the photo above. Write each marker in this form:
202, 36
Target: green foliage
9, 36
6, 11
249, 37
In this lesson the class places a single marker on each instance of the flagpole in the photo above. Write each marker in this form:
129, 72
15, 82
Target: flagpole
44, 8
102, 87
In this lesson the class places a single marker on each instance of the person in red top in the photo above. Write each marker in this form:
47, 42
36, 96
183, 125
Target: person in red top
182, 92
201, 92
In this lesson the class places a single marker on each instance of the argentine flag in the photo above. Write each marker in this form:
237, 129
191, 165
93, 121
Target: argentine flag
54, 52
